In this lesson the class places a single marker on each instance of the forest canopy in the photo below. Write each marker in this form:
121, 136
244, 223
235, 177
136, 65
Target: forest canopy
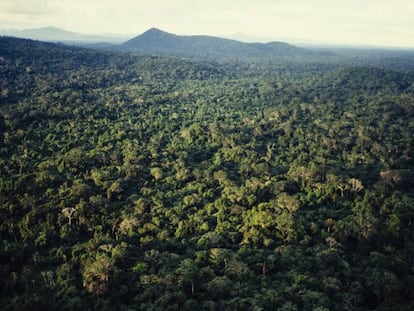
160, 183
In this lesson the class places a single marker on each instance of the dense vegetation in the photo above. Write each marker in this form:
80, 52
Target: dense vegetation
147, 183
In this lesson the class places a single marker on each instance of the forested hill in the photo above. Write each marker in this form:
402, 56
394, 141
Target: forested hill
158, 42
41, 66
151, 183
365, 82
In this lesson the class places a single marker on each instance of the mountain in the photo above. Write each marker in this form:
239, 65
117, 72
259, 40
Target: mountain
59, 35
158, 42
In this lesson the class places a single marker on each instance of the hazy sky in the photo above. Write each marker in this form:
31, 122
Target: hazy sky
366, 22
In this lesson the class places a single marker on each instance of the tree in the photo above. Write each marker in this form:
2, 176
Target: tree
156, 172
68, 213
96, 274
188, 272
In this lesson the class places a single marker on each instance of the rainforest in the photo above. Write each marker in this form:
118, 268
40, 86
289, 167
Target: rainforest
155, 182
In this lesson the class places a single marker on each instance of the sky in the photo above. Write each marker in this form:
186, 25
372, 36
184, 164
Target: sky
337, 22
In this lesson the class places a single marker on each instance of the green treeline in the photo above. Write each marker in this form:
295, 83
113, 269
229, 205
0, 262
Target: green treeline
144, 183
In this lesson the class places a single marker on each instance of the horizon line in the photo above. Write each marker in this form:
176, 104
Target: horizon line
235, 36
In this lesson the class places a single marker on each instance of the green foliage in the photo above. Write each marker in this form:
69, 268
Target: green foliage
148, 183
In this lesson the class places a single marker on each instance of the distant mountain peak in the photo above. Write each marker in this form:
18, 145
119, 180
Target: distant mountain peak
51, 33
156, 32
50, 28
158, 42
